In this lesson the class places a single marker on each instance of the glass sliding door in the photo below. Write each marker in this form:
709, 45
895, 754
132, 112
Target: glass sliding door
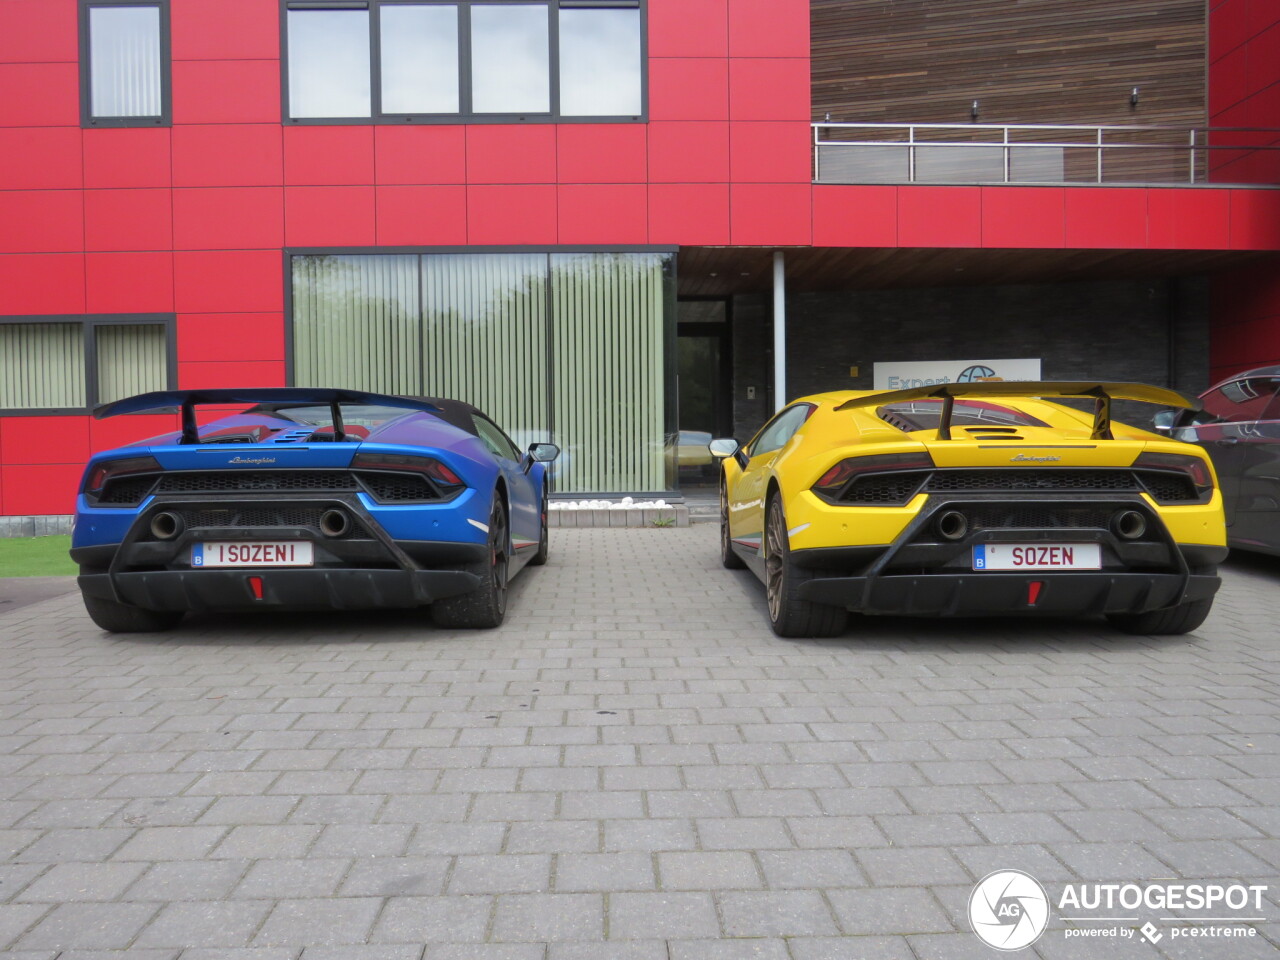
567, 347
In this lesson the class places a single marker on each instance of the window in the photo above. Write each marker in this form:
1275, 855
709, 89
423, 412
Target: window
494, 439
564, 347
71, 364
1240, 400
781, 429
124, 63
434, 61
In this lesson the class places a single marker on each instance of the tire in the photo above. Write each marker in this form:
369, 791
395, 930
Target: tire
788, 615
122, 618
728, 556
1183, 618
544, 542
486, 606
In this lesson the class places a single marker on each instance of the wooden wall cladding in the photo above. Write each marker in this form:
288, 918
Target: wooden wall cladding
1024, 61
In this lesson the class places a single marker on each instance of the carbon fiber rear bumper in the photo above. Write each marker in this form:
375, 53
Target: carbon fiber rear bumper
294, 589
995, 594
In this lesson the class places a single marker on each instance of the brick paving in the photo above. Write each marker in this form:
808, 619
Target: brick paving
633, 768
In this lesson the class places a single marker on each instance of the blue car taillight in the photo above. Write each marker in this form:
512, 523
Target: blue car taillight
121, 483
888, 479
396, 477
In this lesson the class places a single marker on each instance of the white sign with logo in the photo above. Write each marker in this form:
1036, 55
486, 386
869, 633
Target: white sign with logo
925, 373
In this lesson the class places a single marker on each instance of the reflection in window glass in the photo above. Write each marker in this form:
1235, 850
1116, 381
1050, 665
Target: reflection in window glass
599, 63
329, 63
510, 59
419, 59
124, 61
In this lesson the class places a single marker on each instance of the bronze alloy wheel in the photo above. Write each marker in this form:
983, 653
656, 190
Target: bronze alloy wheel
789, 615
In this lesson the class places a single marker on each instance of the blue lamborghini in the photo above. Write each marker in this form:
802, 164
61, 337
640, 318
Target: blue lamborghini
309, 499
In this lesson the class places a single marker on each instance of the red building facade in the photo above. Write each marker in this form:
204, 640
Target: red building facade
189, 222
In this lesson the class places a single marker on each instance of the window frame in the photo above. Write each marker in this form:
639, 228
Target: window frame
89, 325
87, 119
465, 114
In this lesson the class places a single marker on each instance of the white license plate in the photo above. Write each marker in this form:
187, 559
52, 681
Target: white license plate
243, 553
1037, 556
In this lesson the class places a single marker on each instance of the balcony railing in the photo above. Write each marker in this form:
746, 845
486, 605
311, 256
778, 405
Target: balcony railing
1043, 154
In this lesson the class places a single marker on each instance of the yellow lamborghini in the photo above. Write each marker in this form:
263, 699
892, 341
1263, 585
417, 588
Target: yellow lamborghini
973, 499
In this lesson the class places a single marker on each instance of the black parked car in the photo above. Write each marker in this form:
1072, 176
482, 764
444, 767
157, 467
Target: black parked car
1239, 428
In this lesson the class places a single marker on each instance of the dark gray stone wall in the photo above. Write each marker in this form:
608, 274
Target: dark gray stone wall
1153, 331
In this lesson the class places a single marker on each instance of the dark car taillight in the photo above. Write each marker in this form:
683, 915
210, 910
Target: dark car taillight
392, 477
121, 483
888, 479
1174, 477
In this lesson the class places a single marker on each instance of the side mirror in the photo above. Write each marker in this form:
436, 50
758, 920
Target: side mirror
543, 452
1164, 421
723, 447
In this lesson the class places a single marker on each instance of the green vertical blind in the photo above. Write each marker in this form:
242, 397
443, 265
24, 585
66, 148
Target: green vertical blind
42, 366
132, 358
567, 347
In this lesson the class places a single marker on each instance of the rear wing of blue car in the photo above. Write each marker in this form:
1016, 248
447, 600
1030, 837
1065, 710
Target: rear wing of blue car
1102, 393
186, 401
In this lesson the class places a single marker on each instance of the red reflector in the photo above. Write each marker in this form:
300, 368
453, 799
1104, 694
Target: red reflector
255, 584
1033, 591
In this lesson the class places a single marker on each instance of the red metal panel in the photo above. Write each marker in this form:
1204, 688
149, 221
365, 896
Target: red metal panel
39, 94
422, 216
230, 336
1023, 217
500, 153
685, 152
126, 431
225, 30
1189, 219
128, 219
855, 216
40, 221
232, 281
38, 31
41, 158
41, 283
129, 282
769, 28
770, 214
425, 154
939, 216
1228, 27
606, 213
41, 490
1228, 81
130, 157
1107, 218
769, 90
688, 28
45, 440
228, 155
688, 88
328, 216
328, 156
522, 213
770, 152
1264, 56
243, 373
689, 213
602, 153
228, 218
1255, 220
226, 91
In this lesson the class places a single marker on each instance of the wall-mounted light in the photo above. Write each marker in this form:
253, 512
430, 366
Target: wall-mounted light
973, 110
1133, 97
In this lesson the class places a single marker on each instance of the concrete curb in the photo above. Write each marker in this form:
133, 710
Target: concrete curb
673, 516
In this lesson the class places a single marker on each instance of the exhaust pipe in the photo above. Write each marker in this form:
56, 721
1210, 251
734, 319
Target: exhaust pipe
166, 526
334, 523
952, 525
1129, 524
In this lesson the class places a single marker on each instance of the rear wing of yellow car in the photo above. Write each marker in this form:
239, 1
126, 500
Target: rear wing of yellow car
1101, 393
